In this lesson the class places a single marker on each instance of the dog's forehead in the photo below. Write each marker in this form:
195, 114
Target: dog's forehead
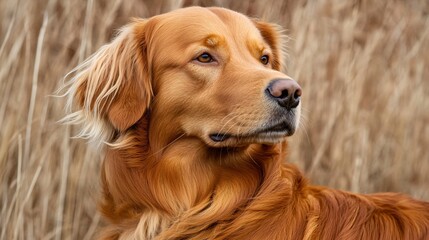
195, 23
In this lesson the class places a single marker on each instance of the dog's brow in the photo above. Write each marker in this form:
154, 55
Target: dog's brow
213, 41
257, 48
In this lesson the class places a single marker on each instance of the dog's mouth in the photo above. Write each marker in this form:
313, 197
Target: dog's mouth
272, 134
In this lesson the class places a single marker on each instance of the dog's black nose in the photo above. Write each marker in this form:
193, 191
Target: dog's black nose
286, 92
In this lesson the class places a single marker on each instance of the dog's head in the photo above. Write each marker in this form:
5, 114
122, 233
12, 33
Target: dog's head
206, 73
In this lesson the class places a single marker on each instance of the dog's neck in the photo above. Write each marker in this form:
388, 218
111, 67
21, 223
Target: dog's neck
184, 180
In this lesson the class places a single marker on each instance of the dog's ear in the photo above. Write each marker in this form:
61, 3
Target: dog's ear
112, 89
273, 36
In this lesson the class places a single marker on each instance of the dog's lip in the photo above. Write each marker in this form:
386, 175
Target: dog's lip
282, 129
219, 137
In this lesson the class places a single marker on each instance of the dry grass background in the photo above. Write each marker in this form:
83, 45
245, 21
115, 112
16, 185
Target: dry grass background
363, 65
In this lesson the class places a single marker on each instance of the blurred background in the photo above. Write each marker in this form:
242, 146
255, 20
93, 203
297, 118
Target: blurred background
363, 65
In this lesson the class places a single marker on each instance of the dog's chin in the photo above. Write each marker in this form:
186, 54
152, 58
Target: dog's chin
264, 135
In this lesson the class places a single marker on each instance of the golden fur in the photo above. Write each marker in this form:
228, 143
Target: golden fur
156, 105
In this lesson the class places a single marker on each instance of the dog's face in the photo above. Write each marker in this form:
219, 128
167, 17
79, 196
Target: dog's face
213, 74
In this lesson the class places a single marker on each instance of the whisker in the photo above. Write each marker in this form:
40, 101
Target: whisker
166, 146
224, 125
250, 156
302, 124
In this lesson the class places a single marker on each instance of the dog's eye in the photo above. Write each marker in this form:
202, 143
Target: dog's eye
205, 58
265, 59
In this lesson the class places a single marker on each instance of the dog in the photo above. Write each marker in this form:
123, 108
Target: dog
193, 111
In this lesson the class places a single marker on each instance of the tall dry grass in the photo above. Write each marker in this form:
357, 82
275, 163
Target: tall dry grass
363, 65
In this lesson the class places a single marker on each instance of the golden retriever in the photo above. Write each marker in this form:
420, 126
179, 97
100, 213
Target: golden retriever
194, 111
